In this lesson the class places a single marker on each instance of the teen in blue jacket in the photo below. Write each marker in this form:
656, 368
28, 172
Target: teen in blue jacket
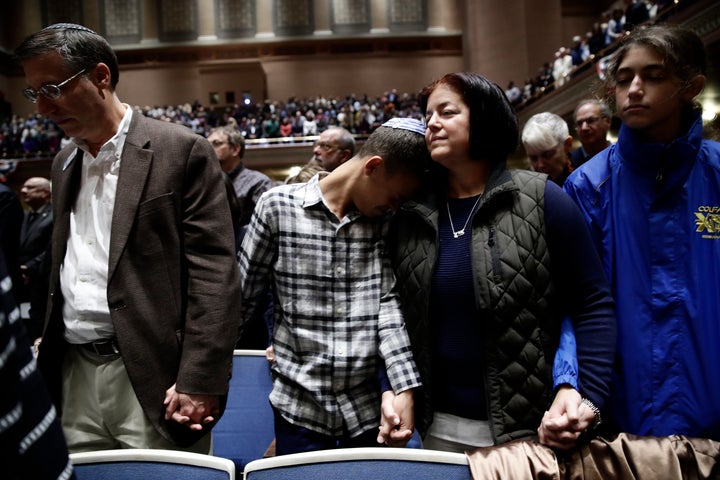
653, 204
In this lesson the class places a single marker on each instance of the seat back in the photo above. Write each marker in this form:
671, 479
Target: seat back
246, 429
374, 463
147, 464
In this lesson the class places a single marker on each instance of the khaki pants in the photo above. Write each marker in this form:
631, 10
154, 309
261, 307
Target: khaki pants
101, 411
624, 456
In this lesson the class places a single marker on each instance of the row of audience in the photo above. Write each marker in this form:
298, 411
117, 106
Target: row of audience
293, 118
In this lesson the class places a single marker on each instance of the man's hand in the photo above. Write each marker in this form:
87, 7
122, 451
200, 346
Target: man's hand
24, 273
194, 411
397, 418
270, 354
566, 420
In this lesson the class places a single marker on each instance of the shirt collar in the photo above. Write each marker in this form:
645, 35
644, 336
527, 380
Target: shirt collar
236, 171
117, 142
314, 197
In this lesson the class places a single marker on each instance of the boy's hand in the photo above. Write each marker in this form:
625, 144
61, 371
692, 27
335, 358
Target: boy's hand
397, 418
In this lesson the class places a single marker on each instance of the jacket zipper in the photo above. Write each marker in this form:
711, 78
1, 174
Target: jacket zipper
495, 254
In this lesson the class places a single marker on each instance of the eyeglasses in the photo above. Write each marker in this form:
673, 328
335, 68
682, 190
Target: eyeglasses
590, 121
324, 146
49, 91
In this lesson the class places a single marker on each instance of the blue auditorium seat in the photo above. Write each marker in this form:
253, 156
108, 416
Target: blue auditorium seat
375, 463
246, 429
146, 464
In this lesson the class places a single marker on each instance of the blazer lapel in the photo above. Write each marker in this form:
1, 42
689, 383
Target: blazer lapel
134, 169
65, 189
26, 227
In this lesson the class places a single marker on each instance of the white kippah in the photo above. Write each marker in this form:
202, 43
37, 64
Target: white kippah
406, 124
68, 26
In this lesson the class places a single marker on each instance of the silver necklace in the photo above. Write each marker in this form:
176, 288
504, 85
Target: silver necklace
461, 232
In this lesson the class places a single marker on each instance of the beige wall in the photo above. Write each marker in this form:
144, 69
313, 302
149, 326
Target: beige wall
338, 77
510, 39
186, 83
281, 79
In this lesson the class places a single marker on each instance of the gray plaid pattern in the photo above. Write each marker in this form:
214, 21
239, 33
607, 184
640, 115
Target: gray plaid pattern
336, 316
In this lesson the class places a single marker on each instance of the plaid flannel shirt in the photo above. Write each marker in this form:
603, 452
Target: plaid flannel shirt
336, 318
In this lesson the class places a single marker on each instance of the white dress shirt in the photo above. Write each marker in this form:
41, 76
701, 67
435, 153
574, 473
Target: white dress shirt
84, 272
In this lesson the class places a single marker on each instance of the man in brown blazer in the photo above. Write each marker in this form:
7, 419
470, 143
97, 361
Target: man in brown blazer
141, 322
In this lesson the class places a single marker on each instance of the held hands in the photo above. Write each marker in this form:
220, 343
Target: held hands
194, 411
566, 420
397, 418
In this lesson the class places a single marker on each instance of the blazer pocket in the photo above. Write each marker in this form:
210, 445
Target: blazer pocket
157, 228
155, 204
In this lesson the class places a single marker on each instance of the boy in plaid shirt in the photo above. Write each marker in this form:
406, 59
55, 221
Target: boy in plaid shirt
321, 247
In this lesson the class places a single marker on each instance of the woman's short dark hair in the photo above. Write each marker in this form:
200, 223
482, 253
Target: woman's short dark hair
493, 123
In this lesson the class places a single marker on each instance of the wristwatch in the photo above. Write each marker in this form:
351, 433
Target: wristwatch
595, 410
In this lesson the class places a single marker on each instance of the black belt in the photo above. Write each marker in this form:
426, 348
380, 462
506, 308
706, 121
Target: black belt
103, 348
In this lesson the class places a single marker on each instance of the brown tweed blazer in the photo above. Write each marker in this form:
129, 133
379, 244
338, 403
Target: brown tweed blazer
173, 286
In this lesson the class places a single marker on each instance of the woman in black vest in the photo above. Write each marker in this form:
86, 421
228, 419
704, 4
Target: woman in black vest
489, 262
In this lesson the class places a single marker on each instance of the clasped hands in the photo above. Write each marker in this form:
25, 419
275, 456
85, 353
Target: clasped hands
397, 418
192, 410
560, 428
566, 420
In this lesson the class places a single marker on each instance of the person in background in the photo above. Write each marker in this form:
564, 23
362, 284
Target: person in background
34, 241
489, 261
32, 445
636, 13
338, 335
595, 39
249, 184
547, 142
615, 28
592, 123
652, 202
513, 93
143, 286
308, 171
579, 52
333, 147
6, 112
11, 219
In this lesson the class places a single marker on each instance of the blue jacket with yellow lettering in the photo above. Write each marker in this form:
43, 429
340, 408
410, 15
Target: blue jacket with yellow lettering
654, 211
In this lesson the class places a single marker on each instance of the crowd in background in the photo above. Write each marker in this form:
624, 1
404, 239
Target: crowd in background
585, 49
296, 117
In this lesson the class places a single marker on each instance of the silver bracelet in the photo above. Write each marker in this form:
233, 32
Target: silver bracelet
595, 410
